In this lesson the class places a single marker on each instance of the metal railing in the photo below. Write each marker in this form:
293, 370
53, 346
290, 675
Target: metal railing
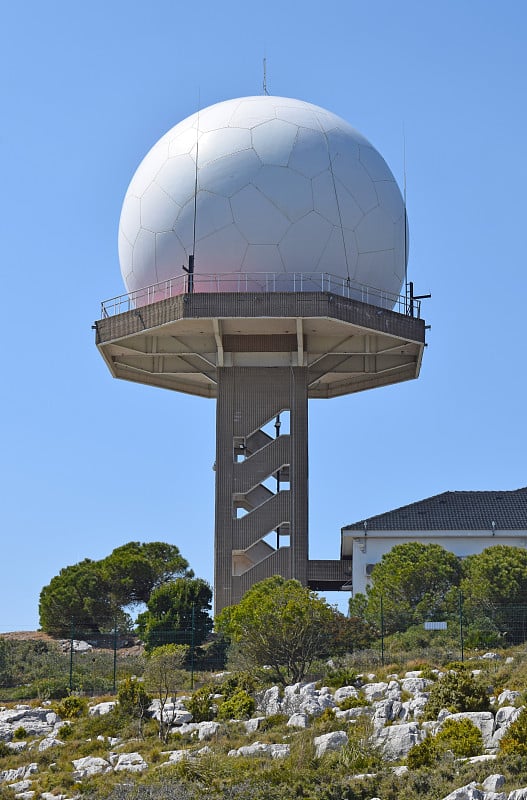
261, 282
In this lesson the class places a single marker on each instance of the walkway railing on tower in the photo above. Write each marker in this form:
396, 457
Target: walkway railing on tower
261, 282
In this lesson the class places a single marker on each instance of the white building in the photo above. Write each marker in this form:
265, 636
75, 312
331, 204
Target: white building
463, 522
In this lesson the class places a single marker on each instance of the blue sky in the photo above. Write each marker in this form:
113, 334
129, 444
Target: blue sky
89, 463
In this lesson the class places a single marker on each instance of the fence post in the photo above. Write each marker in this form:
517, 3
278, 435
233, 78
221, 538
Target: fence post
192, 647
115, 657
461, 626
382, 632
71, 654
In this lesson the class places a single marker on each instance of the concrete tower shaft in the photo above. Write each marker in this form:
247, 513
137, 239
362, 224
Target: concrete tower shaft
246, 456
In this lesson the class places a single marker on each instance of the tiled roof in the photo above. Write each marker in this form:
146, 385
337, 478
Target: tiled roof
466, 511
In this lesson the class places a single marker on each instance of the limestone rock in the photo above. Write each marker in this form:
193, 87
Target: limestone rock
468, 792
344, 692
130, 762
12, 775
416, 706
415, 685
329, 741
260, 748
269, 702
298, 720
48, 742
90, 765
397, 740
206, 730
305, 698
20, 786
6, 732
35, 721
252, 725
79, 646
374, 691
176, 756
101, 709
508, 697
16, 747
493, 782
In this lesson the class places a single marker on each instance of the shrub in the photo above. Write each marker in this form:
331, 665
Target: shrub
354, 702
424, 754
49, 689
456, 691
66, 732
71, 707
5, 750
359, 754
200, 704
514, 742
273, 721
461, 737
428, 673
341, 676
326, 722
19, 733
133, 698
240, 705
238, 680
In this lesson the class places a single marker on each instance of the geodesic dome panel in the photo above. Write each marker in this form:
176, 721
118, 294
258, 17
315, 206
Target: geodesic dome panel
283, 186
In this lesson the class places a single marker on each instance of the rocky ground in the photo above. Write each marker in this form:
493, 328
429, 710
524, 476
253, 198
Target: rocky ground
395, 707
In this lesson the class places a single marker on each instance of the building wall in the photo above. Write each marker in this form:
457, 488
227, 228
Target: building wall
368, 550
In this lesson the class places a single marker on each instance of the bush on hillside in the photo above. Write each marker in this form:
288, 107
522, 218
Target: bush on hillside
460, 736
239, 705
456, 691
514, 742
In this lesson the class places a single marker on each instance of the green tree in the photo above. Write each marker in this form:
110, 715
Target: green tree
414, 581
177, 612
135, 570
163, 677
92, 596
279, 623
78, 596
493, 581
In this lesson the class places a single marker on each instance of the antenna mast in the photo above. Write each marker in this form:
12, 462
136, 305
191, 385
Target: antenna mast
190, 269
264, 86
405, 219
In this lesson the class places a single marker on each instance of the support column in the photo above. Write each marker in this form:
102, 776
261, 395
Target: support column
249, 510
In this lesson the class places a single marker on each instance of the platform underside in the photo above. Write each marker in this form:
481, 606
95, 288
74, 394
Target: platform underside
179, 343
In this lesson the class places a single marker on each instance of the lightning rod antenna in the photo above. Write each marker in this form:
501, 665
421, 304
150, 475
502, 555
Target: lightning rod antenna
190, 269
405, 221
264, 86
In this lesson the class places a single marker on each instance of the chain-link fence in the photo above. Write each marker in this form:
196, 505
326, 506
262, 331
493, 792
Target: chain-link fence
465, 626
94, 664
91, 663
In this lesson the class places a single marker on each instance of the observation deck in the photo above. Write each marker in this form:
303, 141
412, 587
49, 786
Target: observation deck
349, 337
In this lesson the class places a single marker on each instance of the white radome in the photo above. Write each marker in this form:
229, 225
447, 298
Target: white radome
283, 186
